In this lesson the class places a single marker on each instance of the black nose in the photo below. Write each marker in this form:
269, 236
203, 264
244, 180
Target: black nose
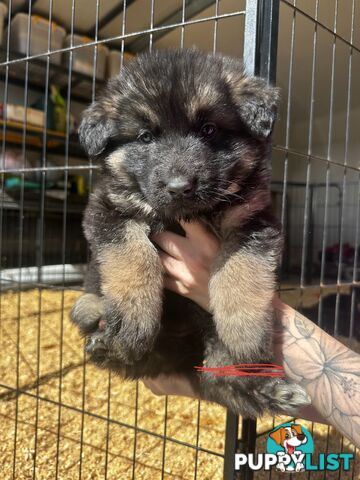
180, 186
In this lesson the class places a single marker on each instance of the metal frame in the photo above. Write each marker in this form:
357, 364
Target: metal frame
261, 34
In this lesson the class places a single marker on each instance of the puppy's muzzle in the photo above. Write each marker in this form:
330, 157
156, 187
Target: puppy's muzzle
181, 187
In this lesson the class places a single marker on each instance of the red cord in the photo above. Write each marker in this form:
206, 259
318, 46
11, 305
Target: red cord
242, 370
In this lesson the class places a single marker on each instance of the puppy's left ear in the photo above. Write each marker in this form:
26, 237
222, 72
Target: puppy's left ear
96, 129
257, 103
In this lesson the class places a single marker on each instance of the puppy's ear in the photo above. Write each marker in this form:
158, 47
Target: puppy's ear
257, 103
96, 129
276, 436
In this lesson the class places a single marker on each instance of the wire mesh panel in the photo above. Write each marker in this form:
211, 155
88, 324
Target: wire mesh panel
316, 163
64, 418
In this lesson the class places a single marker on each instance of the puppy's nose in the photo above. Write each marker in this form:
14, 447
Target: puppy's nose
180, 186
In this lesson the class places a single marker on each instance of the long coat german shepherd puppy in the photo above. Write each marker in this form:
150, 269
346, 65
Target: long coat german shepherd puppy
181, 134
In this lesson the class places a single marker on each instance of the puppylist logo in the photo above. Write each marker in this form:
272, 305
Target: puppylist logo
290, 448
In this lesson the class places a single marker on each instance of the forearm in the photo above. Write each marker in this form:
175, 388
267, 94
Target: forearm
329, 371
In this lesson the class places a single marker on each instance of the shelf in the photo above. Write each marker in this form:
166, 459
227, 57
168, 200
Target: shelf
81, 84
31, 200
10, 124
55, 141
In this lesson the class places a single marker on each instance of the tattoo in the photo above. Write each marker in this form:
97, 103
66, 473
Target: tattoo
329, 371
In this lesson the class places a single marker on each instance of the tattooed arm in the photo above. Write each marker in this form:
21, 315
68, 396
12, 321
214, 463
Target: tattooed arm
329, 371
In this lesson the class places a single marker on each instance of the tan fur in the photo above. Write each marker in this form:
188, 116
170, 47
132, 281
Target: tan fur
241, 292
131, 273
122, 199
206, 97
240, 85
115, 159
115, 162
236, 81
149, 114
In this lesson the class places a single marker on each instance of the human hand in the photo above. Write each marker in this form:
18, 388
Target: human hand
187, 261
171, 385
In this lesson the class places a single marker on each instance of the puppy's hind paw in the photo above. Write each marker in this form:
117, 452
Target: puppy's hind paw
285, 397
87, 312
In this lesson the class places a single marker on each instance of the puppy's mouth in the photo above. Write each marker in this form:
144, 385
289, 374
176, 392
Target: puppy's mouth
180, 203
186, 208
202, 201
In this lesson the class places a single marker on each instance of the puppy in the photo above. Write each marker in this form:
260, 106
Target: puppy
183, 135
289, 438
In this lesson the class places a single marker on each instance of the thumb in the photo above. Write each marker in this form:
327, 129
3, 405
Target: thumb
195, 229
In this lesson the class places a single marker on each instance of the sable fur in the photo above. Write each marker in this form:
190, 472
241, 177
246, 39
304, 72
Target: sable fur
171, 95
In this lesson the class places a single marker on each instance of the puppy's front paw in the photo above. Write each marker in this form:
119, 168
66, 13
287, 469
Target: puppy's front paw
87, 312
130, 336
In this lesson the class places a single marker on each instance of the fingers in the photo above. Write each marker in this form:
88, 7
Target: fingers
173, 267
175, 286
170, 385
153, 386
171, 243
198, 243
195, 230
202, 238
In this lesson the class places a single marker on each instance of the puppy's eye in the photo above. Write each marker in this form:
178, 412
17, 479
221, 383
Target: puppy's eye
146, 137
208, 130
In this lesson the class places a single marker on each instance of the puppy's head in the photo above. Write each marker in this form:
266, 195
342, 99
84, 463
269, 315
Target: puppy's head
181, 128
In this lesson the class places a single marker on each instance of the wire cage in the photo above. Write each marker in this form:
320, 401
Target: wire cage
61, 417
